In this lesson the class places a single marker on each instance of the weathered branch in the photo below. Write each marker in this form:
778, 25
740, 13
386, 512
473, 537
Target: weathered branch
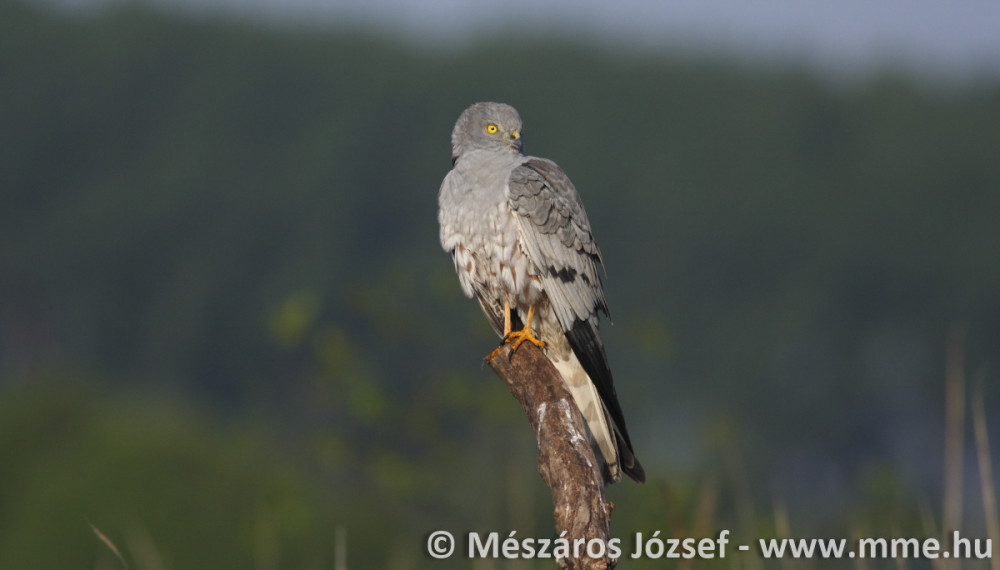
566, 459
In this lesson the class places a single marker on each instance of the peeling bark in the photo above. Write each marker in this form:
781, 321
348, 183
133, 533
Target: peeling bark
566, 459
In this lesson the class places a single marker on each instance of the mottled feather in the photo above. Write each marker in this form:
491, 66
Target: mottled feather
556, 233
518, 233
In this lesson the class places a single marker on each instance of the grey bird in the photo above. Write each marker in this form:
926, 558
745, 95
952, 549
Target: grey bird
522, 246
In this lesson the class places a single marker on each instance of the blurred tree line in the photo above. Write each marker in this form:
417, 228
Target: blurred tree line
226, 325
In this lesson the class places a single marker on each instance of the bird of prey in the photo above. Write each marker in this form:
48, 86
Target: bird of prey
517, 231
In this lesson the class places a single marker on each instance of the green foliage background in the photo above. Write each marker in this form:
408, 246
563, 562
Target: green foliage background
227, 328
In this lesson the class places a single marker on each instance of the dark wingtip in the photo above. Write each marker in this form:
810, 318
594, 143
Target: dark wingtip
628, 462
589, 349
635, 471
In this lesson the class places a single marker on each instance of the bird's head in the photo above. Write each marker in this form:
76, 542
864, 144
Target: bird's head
487, 126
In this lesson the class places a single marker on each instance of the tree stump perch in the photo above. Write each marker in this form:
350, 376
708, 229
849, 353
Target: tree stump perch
566, 459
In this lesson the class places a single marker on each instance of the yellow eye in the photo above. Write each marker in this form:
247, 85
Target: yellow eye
491, 129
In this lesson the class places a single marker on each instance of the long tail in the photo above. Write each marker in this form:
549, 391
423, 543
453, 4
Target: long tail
588, 348
594, 413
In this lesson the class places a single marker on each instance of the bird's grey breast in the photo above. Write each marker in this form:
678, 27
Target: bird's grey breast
472, 202
477, 225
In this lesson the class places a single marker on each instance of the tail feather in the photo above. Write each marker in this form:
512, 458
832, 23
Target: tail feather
616, 452
589, 403
588, 348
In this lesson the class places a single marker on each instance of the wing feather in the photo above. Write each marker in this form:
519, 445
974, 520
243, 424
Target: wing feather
555, 232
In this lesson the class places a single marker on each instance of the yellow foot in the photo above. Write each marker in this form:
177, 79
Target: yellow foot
517, 337
495, 352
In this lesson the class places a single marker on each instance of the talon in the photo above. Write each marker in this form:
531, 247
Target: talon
516, 337
495, 352
522, 335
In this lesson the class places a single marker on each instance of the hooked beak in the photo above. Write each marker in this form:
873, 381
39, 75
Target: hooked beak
514, 140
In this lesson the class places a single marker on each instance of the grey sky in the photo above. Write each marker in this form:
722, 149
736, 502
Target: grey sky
936, 37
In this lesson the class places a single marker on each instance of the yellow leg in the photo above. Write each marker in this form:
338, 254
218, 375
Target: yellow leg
517, 337
525, 333
506, 331
506, 320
